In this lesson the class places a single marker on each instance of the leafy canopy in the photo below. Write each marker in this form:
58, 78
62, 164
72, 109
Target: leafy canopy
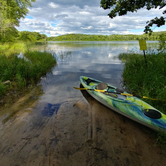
121, 7
11, 11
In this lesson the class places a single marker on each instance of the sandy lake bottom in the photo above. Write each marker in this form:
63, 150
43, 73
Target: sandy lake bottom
80, 131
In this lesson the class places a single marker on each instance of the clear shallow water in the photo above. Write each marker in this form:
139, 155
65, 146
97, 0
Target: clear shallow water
67, 125
98, 60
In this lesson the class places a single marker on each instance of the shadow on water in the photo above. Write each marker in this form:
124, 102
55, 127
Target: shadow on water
50, 109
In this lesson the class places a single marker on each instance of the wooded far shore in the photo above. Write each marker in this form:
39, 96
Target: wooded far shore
155, 36
28, 36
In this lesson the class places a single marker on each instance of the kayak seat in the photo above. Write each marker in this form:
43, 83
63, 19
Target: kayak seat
108, 89
101, 86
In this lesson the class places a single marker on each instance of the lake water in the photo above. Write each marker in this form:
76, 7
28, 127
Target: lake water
98, 60
68, 126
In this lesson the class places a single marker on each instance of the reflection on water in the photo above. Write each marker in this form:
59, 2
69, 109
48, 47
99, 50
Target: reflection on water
23, 57
98, 60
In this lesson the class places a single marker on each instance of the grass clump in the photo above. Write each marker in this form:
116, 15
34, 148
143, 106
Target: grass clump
24, 71
147, 81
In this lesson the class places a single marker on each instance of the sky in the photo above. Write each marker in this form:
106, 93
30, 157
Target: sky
60, 17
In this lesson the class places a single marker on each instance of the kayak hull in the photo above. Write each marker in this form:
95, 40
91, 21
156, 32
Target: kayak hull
128, 106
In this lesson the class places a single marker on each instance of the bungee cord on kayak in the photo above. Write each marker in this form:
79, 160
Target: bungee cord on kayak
103, 87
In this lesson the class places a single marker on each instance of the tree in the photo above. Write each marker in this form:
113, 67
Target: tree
27, 36
31, 36
9, 35
121, 7
11, 11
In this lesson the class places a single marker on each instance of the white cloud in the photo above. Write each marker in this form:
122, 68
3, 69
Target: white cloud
56, 17
84, 13
88, 27
112, 25
53, 5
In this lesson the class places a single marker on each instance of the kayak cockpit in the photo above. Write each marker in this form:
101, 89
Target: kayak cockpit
108, 90
151, 113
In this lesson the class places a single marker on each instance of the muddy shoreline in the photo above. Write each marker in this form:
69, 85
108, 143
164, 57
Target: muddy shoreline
79, 131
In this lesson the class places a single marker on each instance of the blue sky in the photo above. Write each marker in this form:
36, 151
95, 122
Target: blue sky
57, 17
29, 17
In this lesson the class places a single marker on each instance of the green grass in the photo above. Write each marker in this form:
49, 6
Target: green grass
147, 81
22, 72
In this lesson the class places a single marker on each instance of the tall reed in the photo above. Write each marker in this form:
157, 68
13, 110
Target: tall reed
147, 81
24, 70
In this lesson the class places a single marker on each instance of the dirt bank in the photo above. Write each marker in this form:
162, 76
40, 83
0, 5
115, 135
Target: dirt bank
79, 131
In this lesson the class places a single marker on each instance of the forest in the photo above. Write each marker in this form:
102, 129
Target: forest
155, 36
13, 35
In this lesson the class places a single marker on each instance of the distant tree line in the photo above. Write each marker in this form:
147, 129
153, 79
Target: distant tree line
12, 35
155, 36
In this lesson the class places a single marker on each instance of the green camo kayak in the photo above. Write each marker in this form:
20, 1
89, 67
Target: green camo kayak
129, 106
